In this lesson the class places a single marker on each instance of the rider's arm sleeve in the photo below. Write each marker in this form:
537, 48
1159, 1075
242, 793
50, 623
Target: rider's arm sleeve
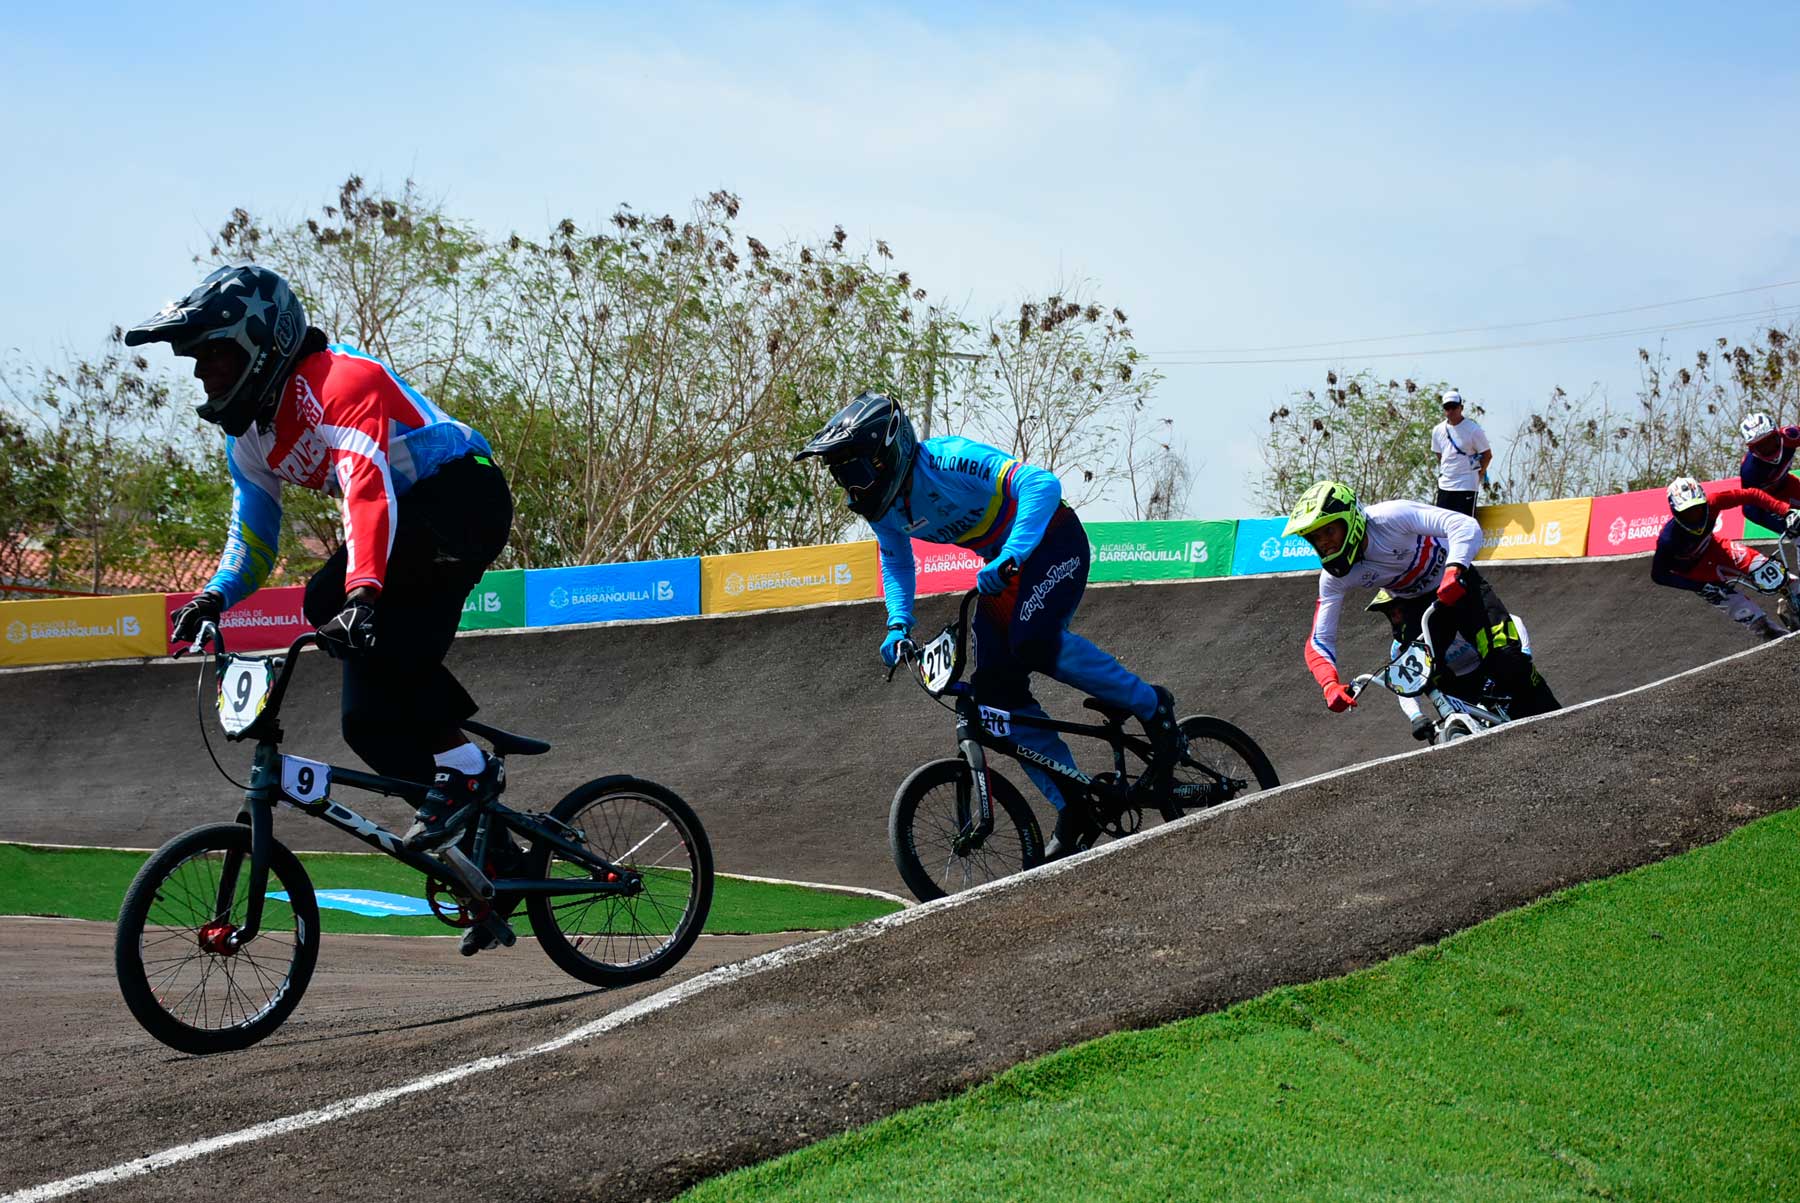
898, 574
1461, 534
1038, 493
255, 530
355, 428
1751, 499
1321, 643
1663, 572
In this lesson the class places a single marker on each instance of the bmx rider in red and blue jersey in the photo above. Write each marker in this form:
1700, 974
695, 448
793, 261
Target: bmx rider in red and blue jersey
425, 511
954, 490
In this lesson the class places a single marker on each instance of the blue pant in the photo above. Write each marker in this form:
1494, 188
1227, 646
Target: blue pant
1025, 629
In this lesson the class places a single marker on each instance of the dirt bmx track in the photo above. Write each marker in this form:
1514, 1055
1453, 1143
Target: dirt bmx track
1304, 883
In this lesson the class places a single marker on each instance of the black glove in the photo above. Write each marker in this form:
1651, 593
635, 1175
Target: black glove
353, 630
1791, 524
185, 623
1714, 593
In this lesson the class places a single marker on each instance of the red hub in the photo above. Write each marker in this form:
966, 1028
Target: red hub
216, 938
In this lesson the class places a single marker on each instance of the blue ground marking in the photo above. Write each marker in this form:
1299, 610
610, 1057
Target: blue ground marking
366, 902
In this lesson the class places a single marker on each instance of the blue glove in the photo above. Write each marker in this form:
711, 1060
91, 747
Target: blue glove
890, 647
995, 577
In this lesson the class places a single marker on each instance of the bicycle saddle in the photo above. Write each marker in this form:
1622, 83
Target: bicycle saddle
505, 742
1117, 714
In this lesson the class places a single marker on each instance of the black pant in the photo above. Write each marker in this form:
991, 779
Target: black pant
1456, 499
399, 699
1482, 619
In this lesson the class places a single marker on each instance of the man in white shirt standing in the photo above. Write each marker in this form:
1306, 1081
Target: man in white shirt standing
1463, 457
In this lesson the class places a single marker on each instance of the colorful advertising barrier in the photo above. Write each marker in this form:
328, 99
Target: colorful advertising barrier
612, 592
1535, 530
267, 619
1261, 547
1629, 522
496, 601
943, 568
83, 628
1159, 551
798, 576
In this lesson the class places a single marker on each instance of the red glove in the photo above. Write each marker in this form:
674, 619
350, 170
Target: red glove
1450, 589
1338, 697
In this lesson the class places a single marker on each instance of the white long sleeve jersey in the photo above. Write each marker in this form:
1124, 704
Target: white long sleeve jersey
1407, 547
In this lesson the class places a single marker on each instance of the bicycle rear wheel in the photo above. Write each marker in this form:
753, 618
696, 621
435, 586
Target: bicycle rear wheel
928, 824
180, 975
1221, 763
614, 939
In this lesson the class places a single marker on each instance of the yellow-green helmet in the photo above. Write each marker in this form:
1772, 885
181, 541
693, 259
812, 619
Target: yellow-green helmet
1326, 502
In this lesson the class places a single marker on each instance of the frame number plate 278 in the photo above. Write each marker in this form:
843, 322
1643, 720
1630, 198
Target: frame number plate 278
243, 691
937, 660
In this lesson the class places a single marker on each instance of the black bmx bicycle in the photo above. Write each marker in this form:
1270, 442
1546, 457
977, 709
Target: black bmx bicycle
943, 829
617, 878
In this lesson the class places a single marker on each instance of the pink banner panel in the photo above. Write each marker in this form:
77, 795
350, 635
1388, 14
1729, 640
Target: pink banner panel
944, 568
268, 618
1629, 522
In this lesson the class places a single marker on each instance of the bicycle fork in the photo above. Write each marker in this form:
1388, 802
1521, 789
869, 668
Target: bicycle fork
974, 815
258, 814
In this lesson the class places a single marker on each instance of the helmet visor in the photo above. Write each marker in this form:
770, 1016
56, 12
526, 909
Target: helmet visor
1694, 519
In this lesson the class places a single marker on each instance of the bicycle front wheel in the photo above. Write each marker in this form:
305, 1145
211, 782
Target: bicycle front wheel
180, 969
930, 831
615, 939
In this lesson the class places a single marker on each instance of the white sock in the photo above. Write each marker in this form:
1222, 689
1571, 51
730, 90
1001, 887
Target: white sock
466, 759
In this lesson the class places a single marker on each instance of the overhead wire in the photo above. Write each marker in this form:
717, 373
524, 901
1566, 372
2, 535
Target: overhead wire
1546, 321
1779, 311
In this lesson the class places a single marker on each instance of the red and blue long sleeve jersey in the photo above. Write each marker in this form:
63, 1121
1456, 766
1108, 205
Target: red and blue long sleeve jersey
347, 426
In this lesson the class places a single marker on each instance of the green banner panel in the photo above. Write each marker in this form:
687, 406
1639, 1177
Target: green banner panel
1160, 551
498, 600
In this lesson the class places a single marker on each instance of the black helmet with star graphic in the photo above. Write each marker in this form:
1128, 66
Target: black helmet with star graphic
255, 311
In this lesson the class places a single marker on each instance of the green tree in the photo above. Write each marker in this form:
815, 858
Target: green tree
1374, 434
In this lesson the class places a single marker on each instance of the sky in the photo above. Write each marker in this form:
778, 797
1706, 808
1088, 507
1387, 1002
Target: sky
1233, 176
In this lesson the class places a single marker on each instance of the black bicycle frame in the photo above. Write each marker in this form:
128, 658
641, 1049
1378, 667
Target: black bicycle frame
973, 738
265, 793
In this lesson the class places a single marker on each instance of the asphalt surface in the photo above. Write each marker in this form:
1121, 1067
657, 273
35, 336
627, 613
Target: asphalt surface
1304, 883
778, 728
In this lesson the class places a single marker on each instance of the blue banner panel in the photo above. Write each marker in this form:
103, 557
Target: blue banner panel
610, 592
1261, 547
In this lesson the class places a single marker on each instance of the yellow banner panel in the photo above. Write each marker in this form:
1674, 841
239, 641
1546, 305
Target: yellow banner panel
64, 630
1537, 530
799, 576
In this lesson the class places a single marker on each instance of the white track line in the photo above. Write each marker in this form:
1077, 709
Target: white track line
791, 955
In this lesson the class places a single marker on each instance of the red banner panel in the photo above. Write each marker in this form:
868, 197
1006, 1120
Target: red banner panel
267, 619
1629, 522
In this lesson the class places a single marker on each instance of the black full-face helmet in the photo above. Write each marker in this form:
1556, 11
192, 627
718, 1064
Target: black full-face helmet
255, 311
869, 448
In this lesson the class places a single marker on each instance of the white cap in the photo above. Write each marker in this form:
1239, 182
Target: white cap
1453, 398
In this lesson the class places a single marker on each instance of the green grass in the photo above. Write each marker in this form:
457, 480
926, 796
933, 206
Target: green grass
1633, 1038
89, 883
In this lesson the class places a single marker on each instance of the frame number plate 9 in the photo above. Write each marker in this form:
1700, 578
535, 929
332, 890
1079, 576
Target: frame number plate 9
243, 691
937, 660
